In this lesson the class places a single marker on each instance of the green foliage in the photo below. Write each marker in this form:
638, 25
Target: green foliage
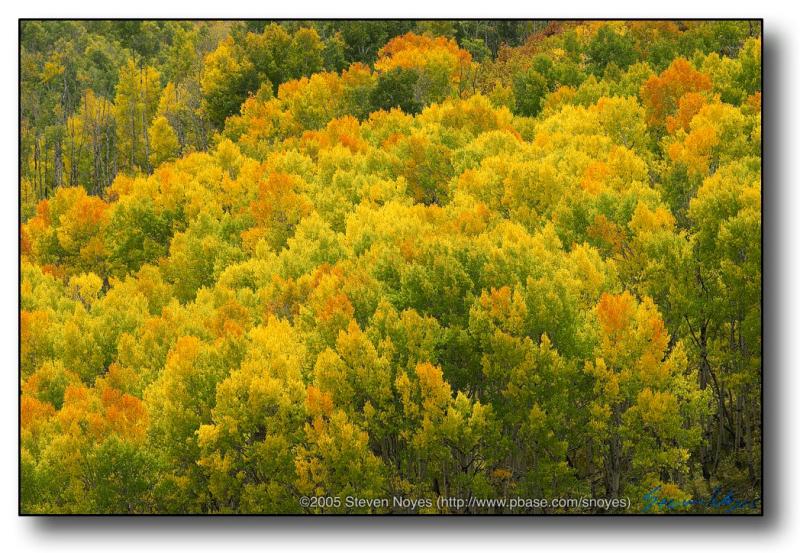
529, 90
396, 89
609, 46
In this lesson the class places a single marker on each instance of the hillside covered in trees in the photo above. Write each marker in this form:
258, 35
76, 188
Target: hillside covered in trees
266, 261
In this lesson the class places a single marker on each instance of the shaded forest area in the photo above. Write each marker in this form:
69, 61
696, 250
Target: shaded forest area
104, 97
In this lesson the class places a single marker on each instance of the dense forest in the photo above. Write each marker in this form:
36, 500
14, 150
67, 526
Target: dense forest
270, 261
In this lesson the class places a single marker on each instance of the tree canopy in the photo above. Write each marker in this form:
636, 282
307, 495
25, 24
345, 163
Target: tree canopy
414, 259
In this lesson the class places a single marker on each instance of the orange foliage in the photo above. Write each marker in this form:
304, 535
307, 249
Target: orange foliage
24, 241
688, 106
34, 412
335, 307
497, 302
754, 100
412, 51
125, 413
230, 319
695, 150
101, 411
661, 93
595, 176
406, 50
277, 209
607, 231
615, 312
318, 402
279, 189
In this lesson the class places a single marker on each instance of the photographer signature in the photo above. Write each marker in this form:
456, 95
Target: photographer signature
728, 502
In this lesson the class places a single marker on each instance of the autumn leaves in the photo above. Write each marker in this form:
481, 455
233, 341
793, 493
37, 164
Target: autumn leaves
455, 298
